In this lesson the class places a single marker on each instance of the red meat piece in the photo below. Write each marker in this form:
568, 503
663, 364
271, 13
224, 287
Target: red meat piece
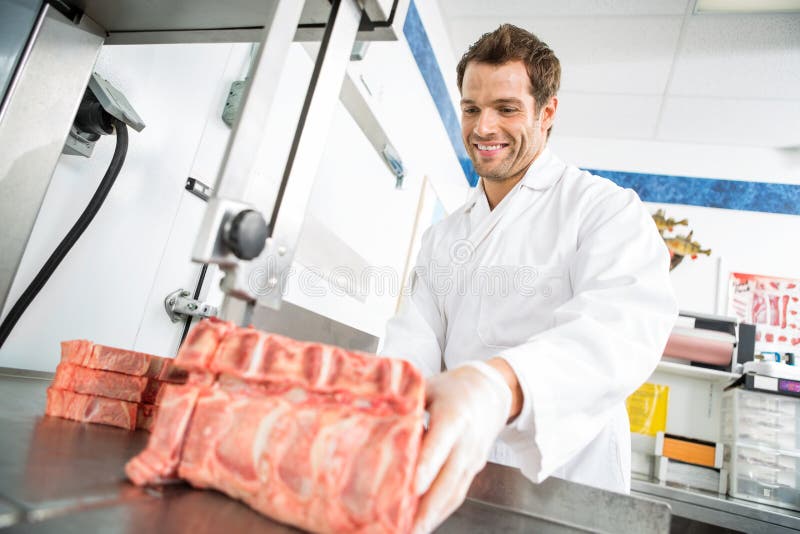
146, 416
86, 354
109, 384
90, 408
309, 434
102, 383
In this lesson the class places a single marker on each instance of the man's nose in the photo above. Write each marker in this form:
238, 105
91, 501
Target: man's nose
486, 126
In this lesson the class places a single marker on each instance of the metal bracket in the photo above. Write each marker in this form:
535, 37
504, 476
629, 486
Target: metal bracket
179, 306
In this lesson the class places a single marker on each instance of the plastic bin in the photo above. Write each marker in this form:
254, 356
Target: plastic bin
765, 475
760, 431
761, 419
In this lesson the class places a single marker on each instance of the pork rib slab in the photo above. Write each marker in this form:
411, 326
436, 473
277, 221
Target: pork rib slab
298, 411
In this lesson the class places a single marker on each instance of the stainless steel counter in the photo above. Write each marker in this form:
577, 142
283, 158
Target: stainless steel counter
61, 476
720, 510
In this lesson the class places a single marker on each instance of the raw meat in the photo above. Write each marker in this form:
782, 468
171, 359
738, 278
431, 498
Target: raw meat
99, 384
146, 416
90, 408
86, 354
308, 434
108, 384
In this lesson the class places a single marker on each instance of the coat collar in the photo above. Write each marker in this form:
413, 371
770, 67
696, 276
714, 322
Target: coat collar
541, 175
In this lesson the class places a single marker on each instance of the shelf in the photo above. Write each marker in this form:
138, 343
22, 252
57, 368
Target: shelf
696, 372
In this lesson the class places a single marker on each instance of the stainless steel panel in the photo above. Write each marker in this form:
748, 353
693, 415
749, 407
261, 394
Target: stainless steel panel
378, 9
474, 517
50, 466
208, 512
35, 126
244, 35
9, 514
306, 152
720, 510
19, 25
236, 170
234, 176
233, 35
175, 511
187, 21
286, 200
118, 16
566, 503
305, 325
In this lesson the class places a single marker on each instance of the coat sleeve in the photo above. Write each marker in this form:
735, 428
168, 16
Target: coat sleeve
417, 332
605, 341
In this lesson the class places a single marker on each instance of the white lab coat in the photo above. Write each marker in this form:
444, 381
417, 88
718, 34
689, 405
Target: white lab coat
567, 280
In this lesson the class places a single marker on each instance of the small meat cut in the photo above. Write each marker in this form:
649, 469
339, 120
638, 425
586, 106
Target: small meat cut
84, 353
111, 386
90, 408
308, 434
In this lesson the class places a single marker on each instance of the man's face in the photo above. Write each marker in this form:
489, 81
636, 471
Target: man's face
500, 126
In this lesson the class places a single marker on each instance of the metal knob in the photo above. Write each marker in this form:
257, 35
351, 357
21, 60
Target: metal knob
246, 234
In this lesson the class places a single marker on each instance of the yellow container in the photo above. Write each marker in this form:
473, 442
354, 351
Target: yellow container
647, 409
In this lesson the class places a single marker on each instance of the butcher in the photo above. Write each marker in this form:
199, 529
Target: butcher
538, 306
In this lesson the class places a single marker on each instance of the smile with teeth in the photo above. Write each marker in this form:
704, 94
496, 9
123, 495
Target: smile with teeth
488, 149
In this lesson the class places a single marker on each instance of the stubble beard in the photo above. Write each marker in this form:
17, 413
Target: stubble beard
496, 176
502, 171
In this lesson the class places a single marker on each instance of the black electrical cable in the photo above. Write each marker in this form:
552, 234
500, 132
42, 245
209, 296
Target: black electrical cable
196, 296
120, 150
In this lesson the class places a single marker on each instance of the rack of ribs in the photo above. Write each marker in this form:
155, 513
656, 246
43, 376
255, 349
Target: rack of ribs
308, 434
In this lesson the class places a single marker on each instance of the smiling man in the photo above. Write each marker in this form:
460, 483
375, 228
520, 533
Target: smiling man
546, 298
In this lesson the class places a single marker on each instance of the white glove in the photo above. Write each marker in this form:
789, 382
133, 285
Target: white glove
468, 407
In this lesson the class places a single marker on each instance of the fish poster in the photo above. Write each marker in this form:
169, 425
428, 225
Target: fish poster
772, 304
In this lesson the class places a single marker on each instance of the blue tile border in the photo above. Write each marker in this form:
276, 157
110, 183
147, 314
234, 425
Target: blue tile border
422, 51
709, 192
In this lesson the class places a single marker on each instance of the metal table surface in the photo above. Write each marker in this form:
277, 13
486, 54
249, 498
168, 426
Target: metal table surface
719, 510
62, 476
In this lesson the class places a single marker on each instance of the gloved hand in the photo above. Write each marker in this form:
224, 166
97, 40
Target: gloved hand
468, 407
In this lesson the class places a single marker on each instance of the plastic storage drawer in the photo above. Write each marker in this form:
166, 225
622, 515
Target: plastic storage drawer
765, 475
761, 420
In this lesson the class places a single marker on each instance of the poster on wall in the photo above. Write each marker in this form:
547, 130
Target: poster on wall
772, 304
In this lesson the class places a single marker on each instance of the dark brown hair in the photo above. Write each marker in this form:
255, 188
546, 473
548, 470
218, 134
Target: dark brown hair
510, 43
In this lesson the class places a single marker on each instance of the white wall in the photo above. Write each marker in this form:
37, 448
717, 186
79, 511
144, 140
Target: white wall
745, 241
111, 287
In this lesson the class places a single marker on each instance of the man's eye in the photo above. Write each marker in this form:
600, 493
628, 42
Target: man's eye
508, 110
470, 111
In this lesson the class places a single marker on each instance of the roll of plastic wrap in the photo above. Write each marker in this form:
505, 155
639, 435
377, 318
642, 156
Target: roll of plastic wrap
704, 346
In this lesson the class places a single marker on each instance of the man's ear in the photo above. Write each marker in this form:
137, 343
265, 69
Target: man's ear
549, 113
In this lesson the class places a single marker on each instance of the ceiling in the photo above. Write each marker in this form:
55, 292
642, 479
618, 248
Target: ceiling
655, 70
